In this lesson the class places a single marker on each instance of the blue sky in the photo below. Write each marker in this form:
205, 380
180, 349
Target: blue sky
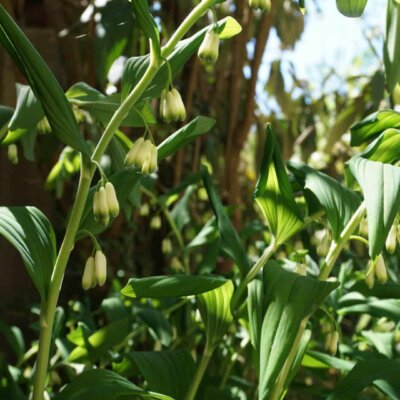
330, 40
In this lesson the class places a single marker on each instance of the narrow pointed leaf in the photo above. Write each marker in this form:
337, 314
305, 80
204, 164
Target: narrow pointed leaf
231, 241
102, 384
274, 194
215, 310
288, 298
169, 372
339, 202
45, 87
171, 286
380, 184
373, 125
31, 233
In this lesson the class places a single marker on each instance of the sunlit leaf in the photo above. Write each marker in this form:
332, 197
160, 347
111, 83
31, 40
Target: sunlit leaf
274, 194
374, 125
391, 48
380, 184
31, 233
171, 286
215, 310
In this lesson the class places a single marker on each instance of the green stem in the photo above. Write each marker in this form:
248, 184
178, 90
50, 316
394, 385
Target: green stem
327, 266
49, 307
237, 297
205, 359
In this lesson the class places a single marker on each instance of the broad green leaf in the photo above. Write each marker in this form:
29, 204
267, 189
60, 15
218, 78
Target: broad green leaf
339, 202
385, 148
45, 87
374, 125
215, 310
207, 234
380, 184
31, 233
184, 135
351, 8
101, 341
102, 384
102, 107
114, 308
28, 112
274, 194
315, 359
135, 67
180, 213
169, 372
288, 298
231, 242
147, 22
391, 48
171, 286
12, 335
364, 374
382, 341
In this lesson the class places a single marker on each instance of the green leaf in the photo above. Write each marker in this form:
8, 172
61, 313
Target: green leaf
31, 233
382, 341
215, 310
169, 372
102, 107
13, 336
339, 202
45, 87
351, 8
5, 116
101, 384
183, 136
274, 194
135, 67
231, 241
374, 125
380, 184
100, 342
171, 286
180, 213
288, 298
389, 308
315, 359
28, 113
364, 374
158, 324
147, 22
391, 48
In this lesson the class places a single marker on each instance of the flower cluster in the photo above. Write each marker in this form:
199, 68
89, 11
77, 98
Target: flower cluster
95, 271
105, 203
263, 5
143, 155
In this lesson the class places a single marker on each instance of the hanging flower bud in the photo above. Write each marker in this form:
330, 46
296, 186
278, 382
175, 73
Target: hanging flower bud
380, 269
209, 48
180, 111
370, 277
133, 152
100, 263
112, 200
89, 277
364, 227
166, 106
166, 246
103, 213
391, 240
332, 341
144, 210
351, 8
265, 6
254, 4
12, 153
322, 247
155, 222
326, 327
